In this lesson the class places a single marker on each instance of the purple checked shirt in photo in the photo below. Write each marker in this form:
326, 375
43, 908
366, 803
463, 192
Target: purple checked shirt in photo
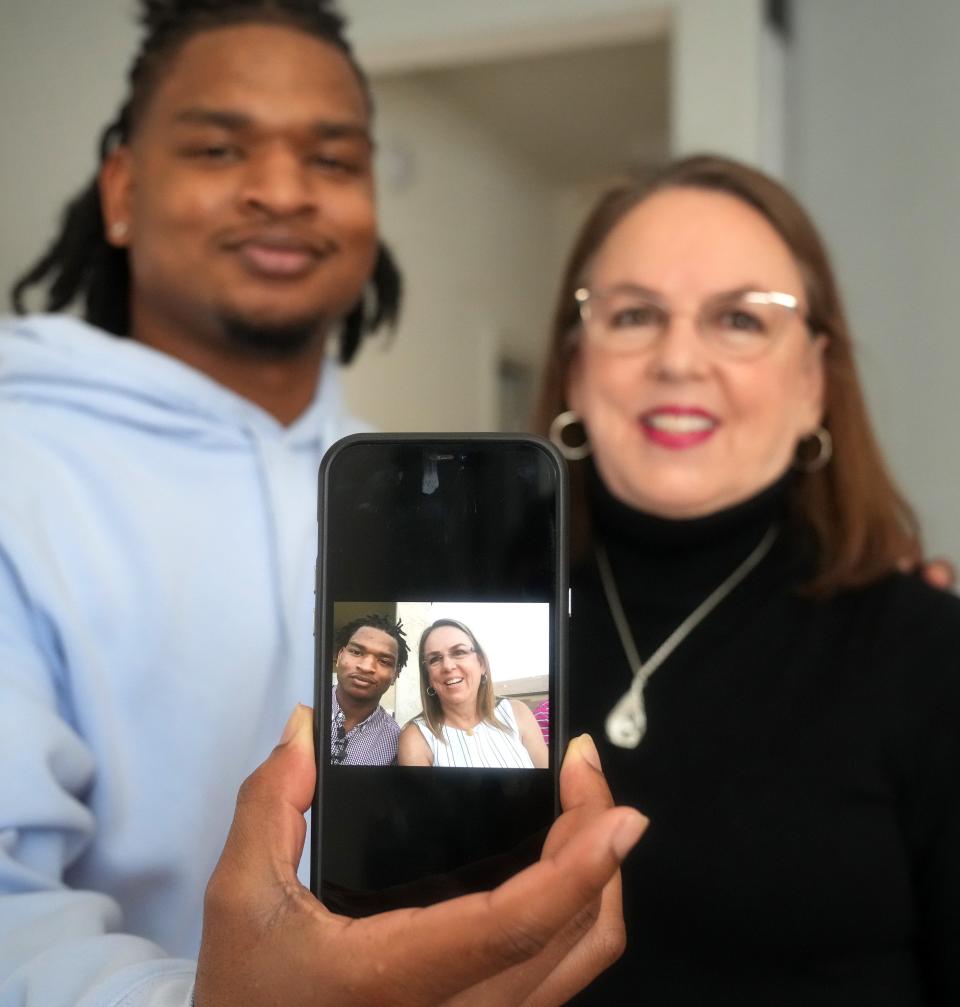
373, 742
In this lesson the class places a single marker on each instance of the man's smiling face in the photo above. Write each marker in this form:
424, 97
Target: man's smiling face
247, 189
366, 665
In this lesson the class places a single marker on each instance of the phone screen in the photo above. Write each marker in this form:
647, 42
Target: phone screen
449, 550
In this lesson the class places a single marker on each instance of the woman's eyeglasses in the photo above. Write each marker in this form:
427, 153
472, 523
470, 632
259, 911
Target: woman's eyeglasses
742, 324
435, 659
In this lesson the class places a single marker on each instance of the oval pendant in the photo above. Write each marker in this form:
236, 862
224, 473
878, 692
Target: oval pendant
627, 722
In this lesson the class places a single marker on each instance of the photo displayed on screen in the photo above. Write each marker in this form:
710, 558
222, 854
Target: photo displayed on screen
446, 684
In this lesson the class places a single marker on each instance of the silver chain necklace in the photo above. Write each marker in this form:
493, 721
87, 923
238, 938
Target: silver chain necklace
627, 721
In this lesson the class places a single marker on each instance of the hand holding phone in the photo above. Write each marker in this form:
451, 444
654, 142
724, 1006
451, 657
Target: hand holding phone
441, 622
547, 932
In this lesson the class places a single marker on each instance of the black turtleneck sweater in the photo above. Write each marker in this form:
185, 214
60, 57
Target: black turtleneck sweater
801, 771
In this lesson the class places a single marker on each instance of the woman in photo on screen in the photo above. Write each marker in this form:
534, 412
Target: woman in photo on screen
463, 722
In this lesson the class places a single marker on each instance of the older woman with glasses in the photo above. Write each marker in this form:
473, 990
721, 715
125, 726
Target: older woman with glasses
463, 722
761, 679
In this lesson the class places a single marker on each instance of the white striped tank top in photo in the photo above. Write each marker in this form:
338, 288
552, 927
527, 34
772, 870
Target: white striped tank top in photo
487, 747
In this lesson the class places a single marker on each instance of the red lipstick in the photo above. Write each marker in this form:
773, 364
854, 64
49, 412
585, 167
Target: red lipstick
678, 427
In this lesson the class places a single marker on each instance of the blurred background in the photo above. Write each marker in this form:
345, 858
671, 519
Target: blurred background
498, 123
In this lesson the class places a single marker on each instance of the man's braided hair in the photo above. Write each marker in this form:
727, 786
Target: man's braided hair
80, 265
392, 627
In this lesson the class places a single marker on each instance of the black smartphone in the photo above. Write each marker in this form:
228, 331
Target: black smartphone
437, 775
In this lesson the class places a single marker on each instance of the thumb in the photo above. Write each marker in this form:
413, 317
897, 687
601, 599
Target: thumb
584, 793
582, 783
269, 829
291, 769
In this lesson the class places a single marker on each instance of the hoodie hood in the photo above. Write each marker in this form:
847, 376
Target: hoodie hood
61, 361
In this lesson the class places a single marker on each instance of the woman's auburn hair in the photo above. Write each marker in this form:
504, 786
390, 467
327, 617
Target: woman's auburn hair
863, 526
486, 699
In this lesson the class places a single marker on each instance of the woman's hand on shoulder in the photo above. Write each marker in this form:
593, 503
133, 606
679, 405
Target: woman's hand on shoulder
536, 939
937, 572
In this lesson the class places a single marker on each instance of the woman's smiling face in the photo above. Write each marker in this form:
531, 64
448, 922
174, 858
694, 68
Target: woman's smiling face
453, 666
682, 427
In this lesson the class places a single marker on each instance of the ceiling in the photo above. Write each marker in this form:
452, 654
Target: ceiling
574, 115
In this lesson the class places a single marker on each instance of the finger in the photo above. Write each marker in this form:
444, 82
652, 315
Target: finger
269, 829
939, 573
583, 790
590, 942
595, 937
582, 782
544, 897
509, 925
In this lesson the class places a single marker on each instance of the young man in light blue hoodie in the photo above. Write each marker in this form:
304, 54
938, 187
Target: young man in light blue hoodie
157, 542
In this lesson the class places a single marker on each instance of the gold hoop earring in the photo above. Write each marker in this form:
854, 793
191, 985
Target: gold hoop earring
814, 463
572, 452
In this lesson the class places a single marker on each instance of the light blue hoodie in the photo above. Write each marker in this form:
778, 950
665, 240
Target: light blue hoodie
157, 548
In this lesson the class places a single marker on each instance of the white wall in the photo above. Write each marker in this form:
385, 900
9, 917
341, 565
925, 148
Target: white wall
61, 80
467, 222
874, 152
725, 91
392, 35
716, 104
